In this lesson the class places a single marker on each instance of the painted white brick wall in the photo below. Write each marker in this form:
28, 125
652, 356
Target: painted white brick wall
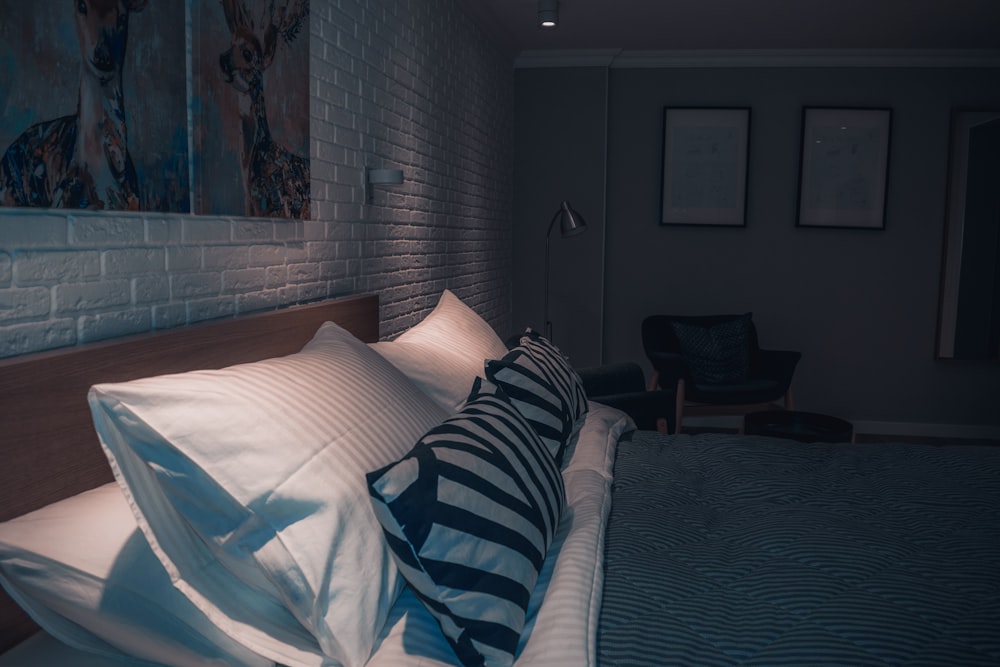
410, 84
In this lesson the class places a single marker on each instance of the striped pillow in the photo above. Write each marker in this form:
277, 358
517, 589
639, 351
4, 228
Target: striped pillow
469, 515
544, 388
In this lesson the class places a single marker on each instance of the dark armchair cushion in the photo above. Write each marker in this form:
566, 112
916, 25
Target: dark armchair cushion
623, 386
606, 379
717, 354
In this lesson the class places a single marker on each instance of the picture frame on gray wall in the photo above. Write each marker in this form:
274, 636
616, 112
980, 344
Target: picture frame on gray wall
705, 158
844, 167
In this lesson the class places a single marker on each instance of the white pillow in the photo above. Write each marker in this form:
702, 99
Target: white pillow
445, 352
249, 483
83, 571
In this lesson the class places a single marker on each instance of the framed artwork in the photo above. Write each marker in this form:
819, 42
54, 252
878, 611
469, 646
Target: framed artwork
705, 154
843, 175
250, 65
52, 56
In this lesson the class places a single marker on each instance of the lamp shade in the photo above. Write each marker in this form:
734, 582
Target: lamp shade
385, 176
380, 177
570, 222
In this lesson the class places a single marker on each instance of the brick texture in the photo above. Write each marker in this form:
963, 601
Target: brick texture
411, 86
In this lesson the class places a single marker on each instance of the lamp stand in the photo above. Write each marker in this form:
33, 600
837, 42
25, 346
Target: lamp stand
548, 324
570, 224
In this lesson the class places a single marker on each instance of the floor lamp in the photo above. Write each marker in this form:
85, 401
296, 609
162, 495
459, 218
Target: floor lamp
570, 224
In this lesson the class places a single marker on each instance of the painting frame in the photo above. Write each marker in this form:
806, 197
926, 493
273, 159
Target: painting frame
138, 158
706, 153
844, 167
250, 109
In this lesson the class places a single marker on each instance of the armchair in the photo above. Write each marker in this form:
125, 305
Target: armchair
715, 365
623, 386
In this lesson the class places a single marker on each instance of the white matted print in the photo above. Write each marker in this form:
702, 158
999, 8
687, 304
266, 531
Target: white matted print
705, 154
844, 167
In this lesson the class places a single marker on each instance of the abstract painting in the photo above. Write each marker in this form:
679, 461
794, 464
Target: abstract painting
251, 108
93, 110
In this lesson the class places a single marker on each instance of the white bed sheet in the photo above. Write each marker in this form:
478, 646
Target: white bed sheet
44, 650
563, 612
81, 569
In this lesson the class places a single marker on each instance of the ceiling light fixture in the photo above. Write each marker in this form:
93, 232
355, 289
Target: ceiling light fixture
548, 13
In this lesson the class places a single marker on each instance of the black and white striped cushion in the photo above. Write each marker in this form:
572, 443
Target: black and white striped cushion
469, 515
543, 387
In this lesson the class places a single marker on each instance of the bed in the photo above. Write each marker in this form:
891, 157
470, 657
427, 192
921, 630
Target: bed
47, 440
665, 550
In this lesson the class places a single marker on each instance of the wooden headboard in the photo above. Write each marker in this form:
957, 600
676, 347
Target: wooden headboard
48, 447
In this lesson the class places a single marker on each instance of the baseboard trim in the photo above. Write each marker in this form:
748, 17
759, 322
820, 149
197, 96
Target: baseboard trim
864, 426
964, 431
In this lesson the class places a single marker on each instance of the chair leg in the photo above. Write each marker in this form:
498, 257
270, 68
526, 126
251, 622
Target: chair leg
662, 425
654, 380
789, 403
679, 407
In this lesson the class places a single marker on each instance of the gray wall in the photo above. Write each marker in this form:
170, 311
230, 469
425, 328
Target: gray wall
415, 86
861, 305
560, 153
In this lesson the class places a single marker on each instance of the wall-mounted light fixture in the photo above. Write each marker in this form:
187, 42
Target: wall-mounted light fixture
571, 223
375, 177
548, 13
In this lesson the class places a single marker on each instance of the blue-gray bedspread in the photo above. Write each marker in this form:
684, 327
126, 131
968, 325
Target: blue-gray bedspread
742, 550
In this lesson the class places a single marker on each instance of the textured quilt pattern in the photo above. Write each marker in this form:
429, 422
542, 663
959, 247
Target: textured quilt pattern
729, 550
